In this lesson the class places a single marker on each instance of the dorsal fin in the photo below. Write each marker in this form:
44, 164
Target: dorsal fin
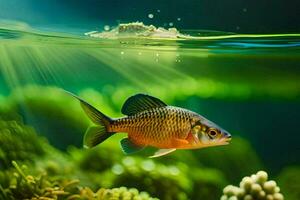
139, 103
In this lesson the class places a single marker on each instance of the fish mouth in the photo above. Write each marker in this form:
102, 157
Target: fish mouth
195, 142
198, 144
225, 140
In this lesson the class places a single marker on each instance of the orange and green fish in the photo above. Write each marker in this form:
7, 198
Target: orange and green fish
151, 122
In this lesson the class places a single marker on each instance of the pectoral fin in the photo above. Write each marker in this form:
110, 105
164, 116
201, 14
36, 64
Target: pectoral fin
161, 152
129, 147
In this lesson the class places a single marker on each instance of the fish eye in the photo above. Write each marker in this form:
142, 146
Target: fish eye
212, 133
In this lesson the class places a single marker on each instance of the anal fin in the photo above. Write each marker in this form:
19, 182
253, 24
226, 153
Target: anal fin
129, 147
162, 152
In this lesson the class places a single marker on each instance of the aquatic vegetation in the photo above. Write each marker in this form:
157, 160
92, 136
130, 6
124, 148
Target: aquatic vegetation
96, 159
122, 193
19, 142
289, 182
177, 181
254, 187
165, 182
26, 186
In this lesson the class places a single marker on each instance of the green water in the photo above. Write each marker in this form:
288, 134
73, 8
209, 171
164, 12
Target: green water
249, 84
218, 66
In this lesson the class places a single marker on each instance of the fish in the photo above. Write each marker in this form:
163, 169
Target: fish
149, 122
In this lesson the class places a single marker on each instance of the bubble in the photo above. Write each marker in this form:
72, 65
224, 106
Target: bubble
122, 52
158, 11
245, 9
171, 24
150, 15
178, 19
106, 27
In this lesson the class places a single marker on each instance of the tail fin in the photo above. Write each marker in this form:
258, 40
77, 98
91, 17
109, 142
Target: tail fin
95, 134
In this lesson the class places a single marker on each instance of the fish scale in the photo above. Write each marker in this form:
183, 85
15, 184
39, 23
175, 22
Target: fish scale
157, 126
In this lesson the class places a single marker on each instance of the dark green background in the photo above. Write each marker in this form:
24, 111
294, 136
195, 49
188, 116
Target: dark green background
255, 16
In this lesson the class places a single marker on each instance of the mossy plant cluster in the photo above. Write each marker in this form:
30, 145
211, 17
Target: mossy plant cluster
46, 172
166, 181
16, 143
255, 187
41, 187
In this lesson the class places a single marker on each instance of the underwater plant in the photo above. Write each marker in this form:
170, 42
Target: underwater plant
41, 186
254, 187
88, 160
165, 182
153, 175
19, 142
122, 193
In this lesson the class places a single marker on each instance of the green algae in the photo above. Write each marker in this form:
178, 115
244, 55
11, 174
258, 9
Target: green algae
27, 186
19, 142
